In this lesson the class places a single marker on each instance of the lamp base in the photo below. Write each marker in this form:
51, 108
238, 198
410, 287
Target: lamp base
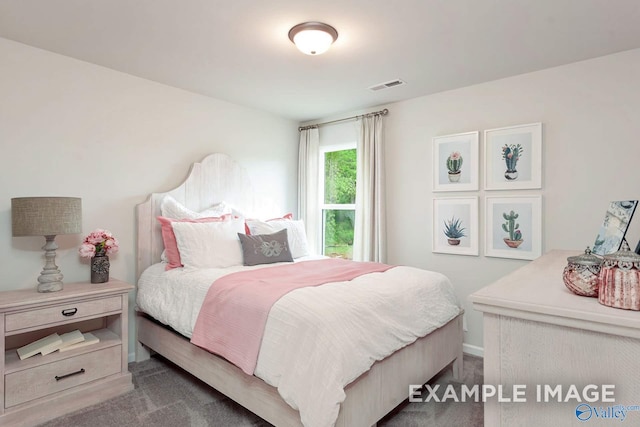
50, 287
50, 279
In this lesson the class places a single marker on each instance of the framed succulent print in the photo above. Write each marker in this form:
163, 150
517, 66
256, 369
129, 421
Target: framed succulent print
513, 227
455, 162
513, 157
455, 225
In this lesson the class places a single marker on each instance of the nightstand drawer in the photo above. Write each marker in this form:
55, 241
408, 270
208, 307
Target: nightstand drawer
60, 313
43, 380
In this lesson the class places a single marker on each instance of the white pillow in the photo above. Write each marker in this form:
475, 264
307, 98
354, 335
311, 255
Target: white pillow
171, 208
295, 231
209, 244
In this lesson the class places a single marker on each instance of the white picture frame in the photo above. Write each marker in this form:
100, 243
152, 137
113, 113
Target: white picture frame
447, 211
522, 143
520, 214
466, 147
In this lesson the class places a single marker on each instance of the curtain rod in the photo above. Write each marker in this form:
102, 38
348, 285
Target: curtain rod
375, 113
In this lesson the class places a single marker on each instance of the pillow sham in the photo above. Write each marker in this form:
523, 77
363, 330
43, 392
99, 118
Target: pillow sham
295, 231
209, 244
285, 216
171, 208
171, 251
265, 248
247, 229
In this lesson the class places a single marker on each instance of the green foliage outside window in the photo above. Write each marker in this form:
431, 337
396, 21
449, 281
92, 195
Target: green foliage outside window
340, 177
340, 188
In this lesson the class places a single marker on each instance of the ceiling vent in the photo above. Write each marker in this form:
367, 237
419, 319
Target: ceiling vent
387, 85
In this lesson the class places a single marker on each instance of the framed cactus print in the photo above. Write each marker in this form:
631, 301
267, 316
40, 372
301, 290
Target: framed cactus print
513, 157
513, 227
456, 162
455, 225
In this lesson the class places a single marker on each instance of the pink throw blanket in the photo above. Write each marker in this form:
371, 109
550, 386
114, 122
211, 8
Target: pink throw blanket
234, 314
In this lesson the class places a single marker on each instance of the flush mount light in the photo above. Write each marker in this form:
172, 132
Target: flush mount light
313, 38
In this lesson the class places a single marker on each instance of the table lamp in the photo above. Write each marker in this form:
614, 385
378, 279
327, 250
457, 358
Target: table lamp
48, 217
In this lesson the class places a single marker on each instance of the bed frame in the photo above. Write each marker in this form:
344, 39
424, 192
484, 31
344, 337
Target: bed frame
369, 398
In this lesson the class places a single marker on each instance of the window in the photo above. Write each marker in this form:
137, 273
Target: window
338, 185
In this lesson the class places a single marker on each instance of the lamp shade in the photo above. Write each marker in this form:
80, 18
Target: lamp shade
313, 38
46, 216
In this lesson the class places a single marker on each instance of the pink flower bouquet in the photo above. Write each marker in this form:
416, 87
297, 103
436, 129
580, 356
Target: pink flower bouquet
98, 242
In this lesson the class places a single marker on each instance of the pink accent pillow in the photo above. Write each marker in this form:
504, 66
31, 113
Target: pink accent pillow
169, 237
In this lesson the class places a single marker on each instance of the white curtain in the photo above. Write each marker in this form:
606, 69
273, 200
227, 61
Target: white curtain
369, 242
308, 178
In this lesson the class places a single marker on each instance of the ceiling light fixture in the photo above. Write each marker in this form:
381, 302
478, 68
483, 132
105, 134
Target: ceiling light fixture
313, 38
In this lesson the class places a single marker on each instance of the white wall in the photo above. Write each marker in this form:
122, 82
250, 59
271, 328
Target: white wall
591, 155
69, 128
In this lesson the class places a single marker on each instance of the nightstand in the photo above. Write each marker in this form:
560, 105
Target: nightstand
40, 388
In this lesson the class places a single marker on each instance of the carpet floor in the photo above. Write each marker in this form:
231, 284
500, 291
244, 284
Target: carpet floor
167, 396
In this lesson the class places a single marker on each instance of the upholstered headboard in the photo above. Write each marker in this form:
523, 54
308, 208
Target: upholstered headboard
215, 179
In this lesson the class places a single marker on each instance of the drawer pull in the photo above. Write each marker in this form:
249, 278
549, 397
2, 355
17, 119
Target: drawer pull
61, 377
69, 311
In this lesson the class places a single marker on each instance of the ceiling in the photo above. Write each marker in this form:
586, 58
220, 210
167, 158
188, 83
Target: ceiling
238, 50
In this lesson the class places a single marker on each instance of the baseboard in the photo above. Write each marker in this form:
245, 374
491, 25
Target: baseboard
132, 357
473, 350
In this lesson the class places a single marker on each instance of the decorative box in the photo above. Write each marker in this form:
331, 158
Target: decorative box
620, 279
581, 274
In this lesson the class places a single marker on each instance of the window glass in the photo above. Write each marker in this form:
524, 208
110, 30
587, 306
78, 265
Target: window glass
338, 232
339, 197
340, 177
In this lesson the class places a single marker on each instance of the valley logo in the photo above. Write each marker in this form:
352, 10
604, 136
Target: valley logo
585, 412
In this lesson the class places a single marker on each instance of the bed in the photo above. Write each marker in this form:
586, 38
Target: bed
368, 398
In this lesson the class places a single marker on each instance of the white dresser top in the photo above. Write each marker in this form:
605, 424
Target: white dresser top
537, 292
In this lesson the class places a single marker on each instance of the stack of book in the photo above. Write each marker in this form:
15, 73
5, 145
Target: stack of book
55, 342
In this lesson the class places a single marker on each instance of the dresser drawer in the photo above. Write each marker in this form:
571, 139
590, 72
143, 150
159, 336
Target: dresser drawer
40, 381
61, 312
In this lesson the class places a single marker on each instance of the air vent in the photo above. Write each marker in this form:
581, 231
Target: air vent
387, 85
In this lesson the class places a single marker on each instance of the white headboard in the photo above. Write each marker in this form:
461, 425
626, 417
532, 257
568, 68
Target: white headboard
215, 179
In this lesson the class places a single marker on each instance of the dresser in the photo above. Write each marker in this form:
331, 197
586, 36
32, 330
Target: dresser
40, 388
539, 335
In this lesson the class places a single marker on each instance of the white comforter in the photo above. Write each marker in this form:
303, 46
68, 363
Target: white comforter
318, 339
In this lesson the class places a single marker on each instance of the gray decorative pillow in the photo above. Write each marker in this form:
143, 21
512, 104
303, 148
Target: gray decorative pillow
265, 248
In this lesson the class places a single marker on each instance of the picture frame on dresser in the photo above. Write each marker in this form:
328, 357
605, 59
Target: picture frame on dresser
513, 157
513, 227
455, 225
456, 162
614, 227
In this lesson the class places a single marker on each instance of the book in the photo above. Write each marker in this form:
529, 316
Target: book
36, 347
68, 339
89, 339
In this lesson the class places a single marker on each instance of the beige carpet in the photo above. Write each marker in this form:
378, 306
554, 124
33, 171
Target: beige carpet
166, 396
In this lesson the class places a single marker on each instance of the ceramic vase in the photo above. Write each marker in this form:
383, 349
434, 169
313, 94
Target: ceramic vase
100, 268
